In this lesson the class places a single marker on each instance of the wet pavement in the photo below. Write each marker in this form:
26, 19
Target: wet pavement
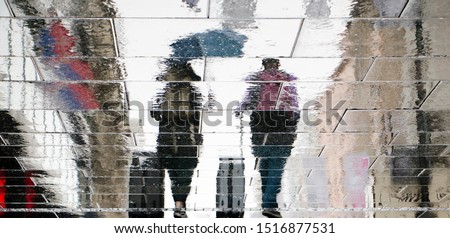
224, 108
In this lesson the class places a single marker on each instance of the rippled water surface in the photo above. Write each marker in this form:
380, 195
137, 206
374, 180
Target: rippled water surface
224, 108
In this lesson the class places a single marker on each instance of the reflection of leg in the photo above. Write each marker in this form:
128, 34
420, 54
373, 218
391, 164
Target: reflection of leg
272, 141
271, 170
178, 142
180, 172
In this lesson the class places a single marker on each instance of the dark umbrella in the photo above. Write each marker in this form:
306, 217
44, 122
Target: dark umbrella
221, 43
213, 43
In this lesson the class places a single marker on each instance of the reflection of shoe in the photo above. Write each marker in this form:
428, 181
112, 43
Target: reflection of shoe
271, 213
180, 214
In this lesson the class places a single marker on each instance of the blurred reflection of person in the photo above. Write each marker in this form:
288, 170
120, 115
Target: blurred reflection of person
65, 51
178, 113
179, 106
272, 97
191, 3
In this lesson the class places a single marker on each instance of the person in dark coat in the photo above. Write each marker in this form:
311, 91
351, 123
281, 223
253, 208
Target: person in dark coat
179, 138
179, 106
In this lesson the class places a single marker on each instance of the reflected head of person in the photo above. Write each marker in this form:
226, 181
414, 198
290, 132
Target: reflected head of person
179, 71
270, 63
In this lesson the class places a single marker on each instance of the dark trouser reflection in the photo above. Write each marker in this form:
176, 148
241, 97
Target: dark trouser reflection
146, 198
273, 133
177, 146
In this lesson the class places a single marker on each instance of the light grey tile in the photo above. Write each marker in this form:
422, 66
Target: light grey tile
437, 99
409, 69
54, 37
426, 9
18, 69
4, 12
368, 38
248, 9
117, 8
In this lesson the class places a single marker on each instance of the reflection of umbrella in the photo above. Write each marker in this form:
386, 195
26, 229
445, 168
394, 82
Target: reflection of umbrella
221, 43
214, 43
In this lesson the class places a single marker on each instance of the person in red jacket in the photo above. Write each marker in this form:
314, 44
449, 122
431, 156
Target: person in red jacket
272, 97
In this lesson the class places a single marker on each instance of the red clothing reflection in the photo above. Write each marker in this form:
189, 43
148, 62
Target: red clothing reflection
12, 199
60, 46
2, 191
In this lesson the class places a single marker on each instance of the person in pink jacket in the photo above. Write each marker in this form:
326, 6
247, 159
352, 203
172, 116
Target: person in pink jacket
272, 98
